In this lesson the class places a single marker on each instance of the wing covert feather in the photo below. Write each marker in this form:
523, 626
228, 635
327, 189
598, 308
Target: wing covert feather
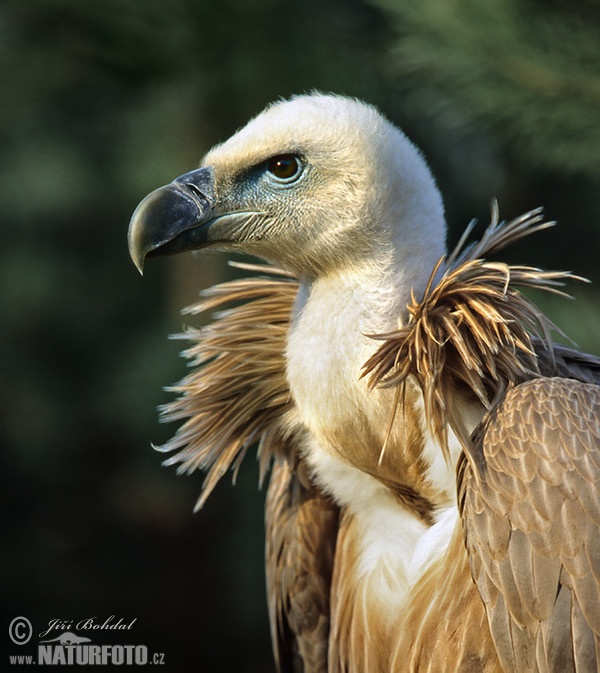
301, 531
530, 502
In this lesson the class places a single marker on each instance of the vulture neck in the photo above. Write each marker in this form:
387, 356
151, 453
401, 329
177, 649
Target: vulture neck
329, 342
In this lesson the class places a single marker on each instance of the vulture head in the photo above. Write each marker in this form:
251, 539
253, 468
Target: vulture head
313, 184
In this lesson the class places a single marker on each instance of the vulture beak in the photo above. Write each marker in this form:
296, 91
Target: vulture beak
173, 218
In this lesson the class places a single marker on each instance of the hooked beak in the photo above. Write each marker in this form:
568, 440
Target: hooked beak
173, 218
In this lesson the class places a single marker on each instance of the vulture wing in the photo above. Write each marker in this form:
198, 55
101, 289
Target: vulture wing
301, 527
530, 501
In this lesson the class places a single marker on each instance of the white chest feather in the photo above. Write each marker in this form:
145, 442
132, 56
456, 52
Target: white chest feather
394, 547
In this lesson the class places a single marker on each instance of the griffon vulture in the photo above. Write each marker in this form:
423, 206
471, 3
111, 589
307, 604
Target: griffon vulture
433, 502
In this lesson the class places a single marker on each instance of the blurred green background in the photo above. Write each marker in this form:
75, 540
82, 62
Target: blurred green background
104, 100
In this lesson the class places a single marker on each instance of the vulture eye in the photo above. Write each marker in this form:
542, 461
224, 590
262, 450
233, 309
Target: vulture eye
285, 167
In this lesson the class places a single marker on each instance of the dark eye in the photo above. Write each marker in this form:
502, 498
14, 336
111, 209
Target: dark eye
285, 167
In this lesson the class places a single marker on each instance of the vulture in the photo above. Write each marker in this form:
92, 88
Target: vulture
434, 454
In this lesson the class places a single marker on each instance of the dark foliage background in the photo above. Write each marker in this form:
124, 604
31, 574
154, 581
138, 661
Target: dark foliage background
106, 99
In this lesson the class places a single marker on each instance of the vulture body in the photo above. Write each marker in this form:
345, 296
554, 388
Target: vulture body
433, 502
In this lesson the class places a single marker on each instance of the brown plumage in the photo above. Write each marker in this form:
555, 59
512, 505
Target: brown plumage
433, 502
531, 524
237, 389
473, 334
472, 330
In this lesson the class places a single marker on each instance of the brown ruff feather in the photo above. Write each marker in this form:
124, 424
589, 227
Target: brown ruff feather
237, 393
473, 333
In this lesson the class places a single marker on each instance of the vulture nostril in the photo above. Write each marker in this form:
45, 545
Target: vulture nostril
195, 190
